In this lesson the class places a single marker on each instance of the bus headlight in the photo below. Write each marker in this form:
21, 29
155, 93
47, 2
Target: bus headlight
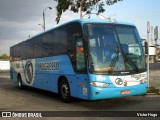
99, 84
143, 80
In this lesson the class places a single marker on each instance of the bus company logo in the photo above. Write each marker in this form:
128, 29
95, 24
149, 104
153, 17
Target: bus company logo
119, 81
137, 76
29, 71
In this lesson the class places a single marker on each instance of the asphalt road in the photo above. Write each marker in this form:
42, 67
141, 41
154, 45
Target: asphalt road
14, 99
155, 66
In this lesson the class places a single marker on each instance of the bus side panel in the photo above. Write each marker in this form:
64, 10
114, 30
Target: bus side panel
50, 69
71, 81
73, 85
54, 83
13, 73
82, 86
65, 69
46, 73
78, 83
26, 70
42, 81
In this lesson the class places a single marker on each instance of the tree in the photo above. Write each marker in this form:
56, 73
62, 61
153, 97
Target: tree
4, 57
86, 6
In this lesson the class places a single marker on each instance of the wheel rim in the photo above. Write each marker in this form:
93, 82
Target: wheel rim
19, 83
65, 91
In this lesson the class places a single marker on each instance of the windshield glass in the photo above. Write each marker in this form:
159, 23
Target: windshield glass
114, 48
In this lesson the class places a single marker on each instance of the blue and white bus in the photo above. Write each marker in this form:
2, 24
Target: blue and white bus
88, 59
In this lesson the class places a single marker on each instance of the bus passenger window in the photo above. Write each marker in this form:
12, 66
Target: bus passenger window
80, 62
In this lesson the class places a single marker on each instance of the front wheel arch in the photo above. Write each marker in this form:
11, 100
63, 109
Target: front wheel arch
64, 90
20, 84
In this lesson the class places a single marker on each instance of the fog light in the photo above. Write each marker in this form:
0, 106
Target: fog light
125, 83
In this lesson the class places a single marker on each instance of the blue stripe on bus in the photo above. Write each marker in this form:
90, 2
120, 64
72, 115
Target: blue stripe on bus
48, 70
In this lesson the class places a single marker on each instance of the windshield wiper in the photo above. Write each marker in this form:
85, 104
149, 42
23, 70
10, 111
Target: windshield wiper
113, 61
131, 63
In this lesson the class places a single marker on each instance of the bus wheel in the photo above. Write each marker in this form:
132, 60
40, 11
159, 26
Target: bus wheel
64, 91
20, 85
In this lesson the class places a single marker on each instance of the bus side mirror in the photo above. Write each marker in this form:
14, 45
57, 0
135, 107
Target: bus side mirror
146, 47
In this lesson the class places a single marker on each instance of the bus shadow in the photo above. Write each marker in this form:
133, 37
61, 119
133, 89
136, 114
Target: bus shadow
115, 104
43, 94
96, 105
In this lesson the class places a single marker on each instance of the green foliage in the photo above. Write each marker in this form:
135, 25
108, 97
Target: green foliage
152, 89
4, 57
85, 6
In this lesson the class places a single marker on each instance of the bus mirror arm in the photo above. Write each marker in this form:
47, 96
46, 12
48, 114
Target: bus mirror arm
85, 38
146, 47
86, 46
87, 56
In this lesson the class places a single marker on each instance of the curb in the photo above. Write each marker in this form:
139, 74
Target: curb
152, 95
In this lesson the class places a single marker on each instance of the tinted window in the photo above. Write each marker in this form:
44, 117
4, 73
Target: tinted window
11, 53
60, 37
23, 50
30, 49
48, 44
80, 61
16, 52
58, 41
73, 30
38, 47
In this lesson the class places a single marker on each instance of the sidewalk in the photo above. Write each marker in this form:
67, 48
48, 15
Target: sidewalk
154, 78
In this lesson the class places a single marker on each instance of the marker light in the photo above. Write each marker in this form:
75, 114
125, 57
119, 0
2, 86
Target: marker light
99, 84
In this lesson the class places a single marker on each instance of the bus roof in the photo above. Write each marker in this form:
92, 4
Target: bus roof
103, 21
82, 21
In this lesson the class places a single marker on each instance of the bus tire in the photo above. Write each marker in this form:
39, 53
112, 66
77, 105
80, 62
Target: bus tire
20, 85
64, 91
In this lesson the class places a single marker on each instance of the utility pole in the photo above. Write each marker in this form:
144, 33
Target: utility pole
81, 8
156, 38
152, 35
29, 36
44, 25
148, 31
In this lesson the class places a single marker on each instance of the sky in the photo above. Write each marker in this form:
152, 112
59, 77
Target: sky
20, 19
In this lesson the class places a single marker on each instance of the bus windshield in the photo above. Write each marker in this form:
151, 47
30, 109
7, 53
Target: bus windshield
114, 48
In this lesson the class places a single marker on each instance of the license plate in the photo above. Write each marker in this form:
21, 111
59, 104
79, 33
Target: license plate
124, 92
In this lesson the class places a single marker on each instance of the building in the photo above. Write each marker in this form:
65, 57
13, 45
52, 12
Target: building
4, 65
